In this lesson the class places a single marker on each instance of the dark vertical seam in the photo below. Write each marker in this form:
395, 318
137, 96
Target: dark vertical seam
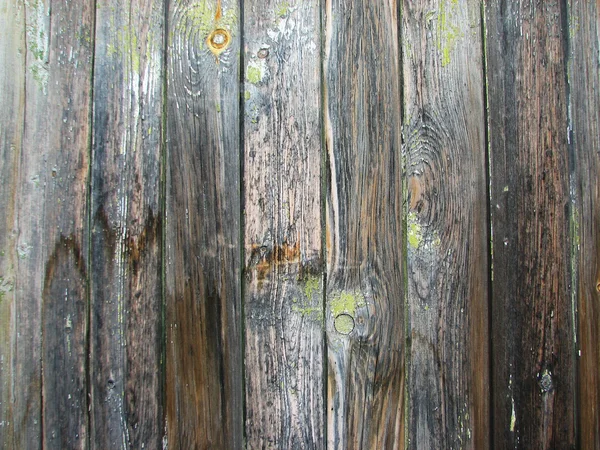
242, 234
489, 228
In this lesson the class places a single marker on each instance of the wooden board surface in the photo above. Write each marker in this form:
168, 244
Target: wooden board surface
127, 369
283, 297
52, 242
444, 146
584, 85
12, 101
272, 224
532, 314
203, 293
365, 246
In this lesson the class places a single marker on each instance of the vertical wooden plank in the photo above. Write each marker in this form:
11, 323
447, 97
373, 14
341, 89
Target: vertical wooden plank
584, 84
532, 317
12, 97
365, 251
203, 293
126, 219
283, 302
282, 194
52, 243
444, 144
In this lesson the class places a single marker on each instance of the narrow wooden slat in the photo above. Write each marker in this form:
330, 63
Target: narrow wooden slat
283, 256
126, 218
51, 286
532, 318
365, 250
12, 104
584, 83
203, 294
444, 143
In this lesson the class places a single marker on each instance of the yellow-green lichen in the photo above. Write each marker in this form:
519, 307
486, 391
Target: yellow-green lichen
202, 18
346, 303
309, 304
126, 46
448, 32
414, 232
436, 239
312, 286
282, 9
6, 286
254, 73
247, 95
37, 43
513, 417
314, 311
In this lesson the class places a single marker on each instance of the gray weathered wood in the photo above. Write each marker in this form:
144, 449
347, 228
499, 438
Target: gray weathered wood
12, 103
447, 227
52, 242
284, 348
126, 368
584, 85
203, 293
365, 245
532, 314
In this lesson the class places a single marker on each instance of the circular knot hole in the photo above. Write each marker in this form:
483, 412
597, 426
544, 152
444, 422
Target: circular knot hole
344, 324
218, 40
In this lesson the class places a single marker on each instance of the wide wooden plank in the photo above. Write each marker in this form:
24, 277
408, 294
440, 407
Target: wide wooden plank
532, 314
52, 244
447, 227
283, 258
584, 85
365, 246
203, 267
12, 97
126, 368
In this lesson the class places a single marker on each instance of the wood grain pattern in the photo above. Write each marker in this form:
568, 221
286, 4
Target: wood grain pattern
52, 243
365, 246
444, 144
203, 287
12, 104
284, 348
126, 218
532, 317
584, 84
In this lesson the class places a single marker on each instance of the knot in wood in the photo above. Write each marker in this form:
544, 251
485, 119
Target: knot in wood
344, 324
218, 40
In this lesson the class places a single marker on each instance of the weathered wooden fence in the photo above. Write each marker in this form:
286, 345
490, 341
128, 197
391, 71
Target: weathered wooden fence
299, 224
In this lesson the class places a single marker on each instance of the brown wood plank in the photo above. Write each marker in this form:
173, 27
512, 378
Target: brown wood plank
444, 144
52, 243
365, 246
532, 317
584, 84
126, 368
12, 104
203, 267
283, 298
